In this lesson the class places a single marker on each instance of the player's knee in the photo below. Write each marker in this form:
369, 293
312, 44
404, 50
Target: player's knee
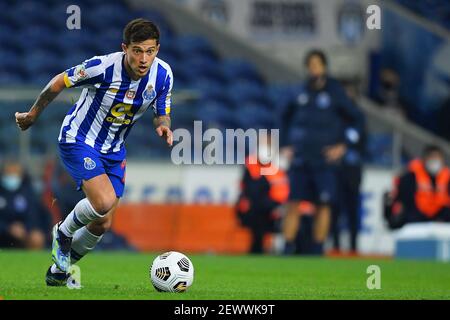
101, 226
102, 205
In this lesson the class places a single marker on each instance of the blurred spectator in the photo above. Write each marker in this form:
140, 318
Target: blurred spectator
261, 196
315, 140
422, 193
388, 95
23, 221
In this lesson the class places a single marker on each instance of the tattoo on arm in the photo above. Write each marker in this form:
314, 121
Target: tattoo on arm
45, 97
162, 121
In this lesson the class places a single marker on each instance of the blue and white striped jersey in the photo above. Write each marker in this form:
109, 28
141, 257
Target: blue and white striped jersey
111, 102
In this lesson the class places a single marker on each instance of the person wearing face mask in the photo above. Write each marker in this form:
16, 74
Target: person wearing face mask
314, 138
422, 192
261, 194
20, 220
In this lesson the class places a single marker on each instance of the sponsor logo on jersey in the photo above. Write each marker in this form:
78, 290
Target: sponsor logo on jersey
118, 113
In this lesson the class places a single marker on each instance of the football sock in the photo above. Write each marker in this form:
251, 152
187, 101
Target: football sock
81, 215
83, 242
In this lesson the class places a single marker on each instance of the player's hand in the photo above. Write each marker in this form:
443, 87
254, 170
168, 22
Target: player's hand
165, 133
335, 152
24, 120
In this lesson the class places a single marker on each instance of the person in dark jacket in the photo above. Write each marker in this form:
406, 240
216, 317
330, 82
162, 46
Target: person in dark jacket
315, 140
23, 220
261, 196
349, 177
421, 194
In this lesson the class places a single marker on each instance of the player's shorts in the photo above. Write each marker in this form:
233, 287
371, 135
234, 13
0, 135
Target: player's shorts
84, 162
318, 185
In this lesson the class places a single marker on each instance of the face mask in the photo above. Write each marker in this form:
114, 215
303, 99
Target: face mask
433, 166
11, 182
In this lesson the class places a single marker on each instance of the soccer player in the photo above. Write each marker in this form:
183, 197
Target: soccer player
117, 89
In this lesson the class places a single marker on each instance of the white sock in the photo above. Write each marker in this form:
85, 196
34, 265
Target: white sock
83, 242
81, 215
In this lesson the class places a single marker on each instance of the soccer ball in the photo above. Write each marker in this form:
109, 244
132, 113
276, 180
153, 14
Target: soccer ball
172, 272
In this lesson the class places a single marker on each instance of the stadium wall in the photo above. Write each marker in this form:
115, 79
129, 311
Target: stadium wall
193, 204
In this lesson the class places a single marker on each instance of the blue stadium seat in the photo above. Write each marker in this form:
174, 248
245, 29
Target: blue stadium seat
236, 69
379, 149
280, 95
8, 78
39, 61
36, 36
252, 115
193, 45
248, 92
107, 14
215, 114
210, 89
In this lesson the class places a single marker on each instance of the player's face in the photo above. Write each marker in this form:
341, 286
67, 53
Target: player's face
316, 68
140, 56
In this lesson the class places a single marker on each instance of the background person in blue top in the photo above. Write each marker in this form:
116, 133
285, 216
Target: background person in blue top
117, 89
313, 135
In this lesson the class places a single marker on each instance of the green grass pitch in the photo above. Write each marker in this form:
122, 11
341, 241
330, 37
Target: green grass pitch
122, 275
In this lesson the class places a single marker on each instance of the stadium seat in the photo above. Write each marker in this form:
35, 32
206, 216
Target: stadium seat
253, 115
194, 45
244, 91
379, 149
215, 115
236, 69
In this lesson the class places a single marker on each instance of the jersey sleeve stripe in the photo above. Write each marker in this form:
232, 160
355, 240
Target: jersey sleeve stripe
67, 80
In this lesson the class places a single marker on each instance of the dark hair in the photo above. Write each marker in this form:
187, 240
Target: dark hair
139, 30
429, 149
316, 53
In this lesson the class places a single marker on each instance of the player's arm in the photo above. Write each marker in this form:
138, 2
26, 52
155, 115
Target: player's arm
354, 131
162, 110
162, 127
25, 120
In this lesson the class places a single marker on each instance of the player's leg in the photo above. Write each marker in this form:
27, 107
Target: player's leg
87, 238
325, 185
291, 225
99, 202
353, 203
298, 184
100, 199
337, 209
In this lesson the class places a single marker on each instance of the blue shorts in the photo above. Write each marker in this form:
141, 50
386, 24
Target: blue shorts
318, 185
84, 162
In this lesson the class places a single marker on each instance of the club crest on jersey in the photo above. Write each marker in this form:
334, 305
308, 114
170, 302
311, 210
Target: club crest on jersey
323, 100
130, 94
149, 93
89, 164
